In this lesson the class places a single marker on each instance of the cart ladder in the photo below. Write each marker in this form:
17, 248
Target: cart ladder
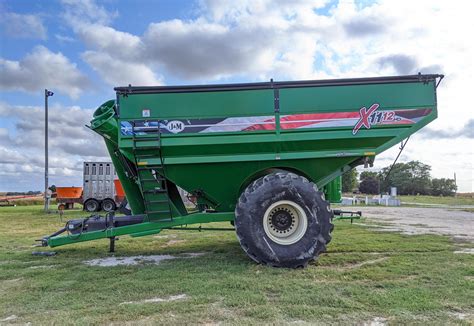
151, 176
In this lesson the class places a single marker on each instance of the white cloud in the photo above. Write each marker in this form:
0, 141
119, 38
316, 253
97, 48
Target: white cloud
445, 156
79, 12
24, 26
117, 72
122, 67
202, 50
42, 69
106, 39
70, 143
67, 131
64, 38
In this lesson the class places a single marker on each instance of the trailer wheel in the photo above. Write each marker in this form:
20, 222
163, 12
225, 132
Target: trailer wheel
283, 220
108, 205
91, 205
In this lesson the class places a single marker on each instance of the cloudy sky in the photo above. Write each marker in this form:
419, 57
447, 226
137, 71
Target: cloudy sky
81, 49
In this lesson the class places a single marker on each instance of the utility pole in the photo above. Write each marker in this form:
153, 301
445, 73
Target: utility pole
46, 193
456, 184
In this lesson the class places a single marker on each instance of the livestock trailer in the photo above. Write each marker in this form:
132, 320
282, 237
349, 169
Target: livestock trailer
256, 155
98, 187
101, 189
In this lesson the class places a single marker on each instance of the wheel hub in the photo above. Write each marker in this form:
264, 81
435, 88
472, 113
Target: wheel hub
282, 220
285, 222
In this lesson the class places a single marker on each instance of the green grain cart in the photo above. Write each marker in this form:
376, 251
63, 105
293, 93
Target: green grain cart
260, 156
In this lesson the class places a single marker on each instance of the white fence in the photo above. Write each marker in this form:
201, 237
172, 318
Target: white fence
384, 200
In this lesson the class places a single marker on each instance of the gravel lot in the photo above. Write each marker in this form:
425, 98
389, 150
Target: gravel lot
416, 220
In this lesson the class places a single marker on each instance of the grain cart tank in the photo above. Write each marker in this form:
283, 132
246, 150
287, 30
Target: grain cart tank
256, 155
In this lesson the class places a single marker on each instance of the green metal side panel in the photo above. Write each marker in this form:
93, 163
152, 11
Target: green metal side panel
314, 132
333, 190
198, 105
342, 98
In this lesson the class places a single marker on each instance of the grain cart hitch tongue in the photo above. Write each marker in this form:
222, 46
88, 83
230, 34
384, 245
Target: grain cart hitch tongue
266, 157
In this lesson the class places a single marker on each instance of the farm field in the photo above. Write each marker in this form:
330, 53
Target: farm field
461, 199
466, 199
188, 277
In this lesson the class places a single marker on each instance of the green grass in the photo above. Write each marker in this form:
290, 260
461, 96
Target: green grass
460, 200
365, 274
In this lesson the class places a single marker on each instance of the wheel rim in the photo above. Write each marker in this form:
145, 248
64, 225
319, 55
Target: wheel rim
108, 206
285, 222
92, 206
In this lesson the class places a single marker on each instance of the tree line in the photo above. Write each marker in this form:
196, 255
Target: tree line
412, 178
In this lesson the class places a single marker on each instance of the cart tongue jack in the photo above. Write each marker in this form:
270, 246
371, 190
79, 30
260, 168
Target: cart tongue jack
347, 215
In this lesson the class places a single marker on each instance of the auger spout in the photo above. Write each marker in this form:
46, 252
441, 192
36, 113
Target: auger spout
105, 123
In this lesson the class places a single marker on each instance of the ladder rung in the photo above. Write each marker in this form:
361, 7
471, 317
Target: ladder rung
158, 212
144, 155
154, 191
144, 168
153, 180
163, 201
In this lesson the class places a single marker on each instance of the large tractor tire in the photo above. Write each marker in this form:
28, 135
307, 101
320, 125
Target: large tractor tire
282, 220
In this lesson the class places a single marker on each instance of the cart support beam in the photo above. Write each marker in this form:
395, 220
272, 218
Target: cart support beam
140, 228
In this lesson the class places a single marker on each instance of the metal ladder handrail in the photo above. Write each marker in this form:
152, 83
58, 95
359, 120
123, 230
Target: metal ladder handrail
162, 176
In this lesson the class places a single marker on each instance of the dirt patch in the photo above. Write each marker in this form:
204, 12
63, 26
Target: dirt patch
136, 260
165, 236
367, 262
422, 220
469, 251
157, 300
11, 284
461, 315
9, 318
173, 242
377, 321
351, 266
42, 267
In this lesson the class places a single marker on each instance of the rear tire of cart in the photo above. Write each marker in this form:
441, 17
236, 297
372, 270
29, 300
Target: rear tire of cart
282, 220
91, 205
108, 205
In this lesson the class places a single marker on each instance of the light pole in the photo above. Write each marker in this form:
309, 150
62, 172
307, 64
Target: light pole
46, 194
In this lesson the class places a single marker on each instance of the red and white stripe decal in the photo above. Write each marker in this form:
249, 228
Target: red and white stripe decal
356, 120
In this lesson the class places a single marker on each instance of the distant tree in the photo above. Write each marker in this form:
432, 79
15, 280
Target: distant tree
52, 188
349, 180
370, 185
410, 178
443, 187
368, 174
